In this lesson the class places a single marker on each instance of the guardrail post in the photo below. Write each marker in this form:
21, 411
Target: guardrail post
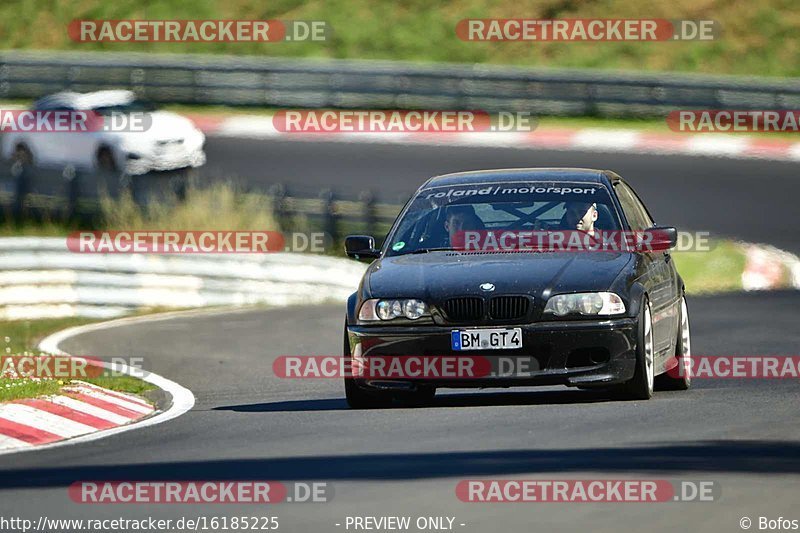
180, 185
370, 216
73, 193
22, 188
125, 185
329, 214
277, 193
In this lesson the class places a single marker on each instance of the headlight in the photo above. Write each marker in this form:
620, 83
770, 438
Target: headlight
585, 303
390, 309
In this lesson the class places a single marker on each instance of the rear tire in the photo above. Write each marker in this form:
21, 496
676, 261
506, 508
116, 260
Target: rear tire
22, 156
421, 397
358, 398
105, 160
641, 385
680, 378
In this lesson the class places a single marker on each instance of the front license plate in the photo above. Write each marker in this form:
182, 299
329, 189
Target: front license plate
486, 339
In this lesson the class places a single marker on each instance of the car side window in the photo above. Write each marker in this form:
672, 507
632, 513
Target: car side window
634, 211
648, 220
52, 106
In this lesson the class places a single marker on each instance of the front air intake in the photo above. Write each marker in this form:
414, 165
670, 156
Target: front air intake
508, 307
464, 309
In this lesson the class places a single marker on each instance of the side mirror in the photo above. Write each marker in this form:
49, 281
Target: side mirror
657, 239
360, 247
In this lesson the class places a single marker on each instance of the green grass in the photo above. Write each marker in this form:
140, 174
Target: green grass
22, 336
719, 270
222, 206
219, 207
33, 229
15, 389
127, 384
758, 38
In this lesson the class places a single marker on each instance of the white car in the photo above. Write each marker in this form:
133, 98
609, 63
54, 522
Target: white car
167, 142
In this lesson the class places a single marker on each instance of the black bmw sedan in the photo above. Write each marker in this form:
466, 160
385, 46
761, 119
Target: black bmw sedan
522, 277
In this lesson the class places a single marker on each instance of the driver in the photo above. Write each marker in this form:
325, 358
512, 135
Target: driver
580, 216
459, 219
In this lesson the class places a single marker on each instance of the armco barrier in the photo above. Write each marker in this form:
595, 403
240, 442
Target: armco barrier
40, 277
263, 81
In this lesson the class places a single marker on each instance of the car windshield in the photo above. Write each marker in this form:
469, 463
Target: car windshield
136, 106
435, 214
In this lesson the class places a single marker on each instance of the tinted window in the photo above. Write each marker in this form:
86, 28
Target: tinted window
634, 211
137, 106
541, 206
52, 106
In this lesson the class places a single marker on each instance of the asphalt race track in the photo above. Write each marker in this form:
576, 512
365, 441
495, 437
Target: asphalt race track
747, 199
247, 424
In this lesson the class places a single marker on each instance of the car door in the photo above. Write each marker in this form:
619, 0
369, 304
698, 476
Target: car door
50, 148
658, 279
672, 311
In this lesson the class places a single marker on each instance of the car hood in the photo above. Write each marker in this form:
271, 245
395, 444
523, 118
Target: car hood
438, 275
163, 126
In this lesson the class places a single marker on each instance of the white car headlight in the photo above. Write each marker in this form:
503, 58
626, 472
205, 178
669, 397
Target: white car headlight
411, 309
585, 303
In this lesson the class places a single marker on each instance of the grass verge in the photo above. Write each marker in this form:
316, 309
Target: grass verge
756, 38
21, 337
719, 270
222, 206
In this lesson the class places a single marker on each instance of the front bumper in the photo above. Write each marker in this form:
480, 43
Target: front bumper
169, 160
575, 353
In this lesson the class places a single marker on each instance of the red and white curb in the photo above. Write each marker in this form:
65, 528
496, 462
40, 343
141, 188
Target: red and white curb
769, 268
80, 409
94, 413
587, 139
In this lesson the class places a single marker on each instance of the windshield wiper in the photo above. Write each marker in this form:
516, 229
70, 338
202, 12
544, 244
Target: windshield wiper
426, 250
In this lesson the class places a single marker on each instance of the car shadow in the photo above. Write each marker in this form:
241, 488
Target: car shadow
472, 399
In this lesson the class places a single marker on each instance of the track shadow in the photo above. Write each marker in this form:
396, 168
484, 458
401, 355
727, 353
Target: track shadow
750, 457
473, 399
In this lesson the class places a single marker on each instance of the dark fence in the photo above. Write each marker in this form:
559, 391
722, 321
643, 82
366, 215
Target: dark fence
257, 81
74, 198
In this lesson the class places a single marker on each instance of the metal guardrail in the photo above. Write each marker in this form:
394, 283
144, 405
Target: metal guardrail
256, 81
40, 277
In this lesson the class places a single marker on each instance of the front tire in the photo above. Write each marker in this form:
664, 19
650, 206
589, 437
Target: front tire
358, 398
105, 160
680, 378
642, 384
22, 156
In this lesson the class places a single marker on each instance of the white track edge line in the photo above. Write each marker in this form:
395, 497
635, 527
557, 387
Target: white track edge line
182, 398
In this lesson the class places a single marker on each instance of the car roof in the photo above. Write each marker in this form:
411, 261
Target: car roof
87, 100
583, 175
